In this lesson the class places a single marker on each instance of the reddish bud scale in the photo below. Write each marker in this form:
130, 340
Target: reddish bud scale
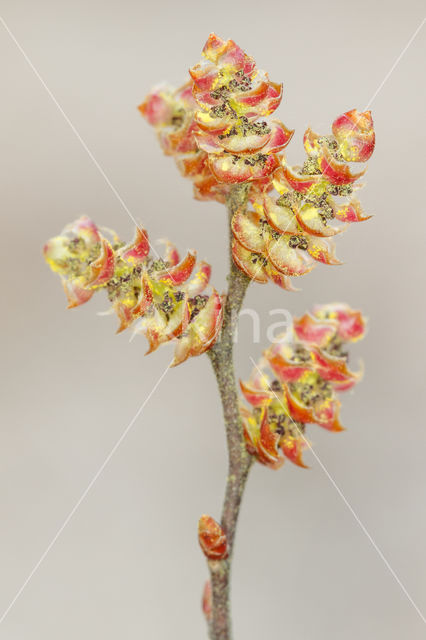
212, 538
207, 603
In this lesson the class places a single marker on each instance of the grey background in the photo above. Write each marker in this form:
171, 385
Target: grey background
127, 565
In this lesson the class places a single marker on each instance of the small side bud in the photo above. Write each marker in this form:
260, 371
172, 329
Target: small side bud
206, 602
212, 538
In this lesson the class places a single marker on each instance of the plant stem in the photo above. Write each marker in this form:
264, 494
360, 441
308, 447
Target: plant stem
221, 356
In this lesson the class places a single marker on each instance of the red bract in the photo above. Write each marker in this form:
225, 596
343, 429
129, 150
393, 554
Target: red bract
212, 538
310, 367
355, 135
350, 324
334, 171
232, 95
165, 296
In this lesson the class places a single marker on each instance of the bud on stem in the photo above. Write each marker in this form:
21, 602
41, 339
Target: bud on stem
212, 538
206, 602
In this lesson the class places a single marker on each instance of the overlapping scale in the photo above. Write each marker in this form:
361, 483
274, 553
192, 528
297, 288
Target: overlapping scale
165, 296
297, 383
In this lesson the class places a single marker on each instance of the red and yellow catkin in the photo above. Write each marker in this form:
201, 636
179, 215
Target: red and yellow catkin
297, 383
162, 298
218, 128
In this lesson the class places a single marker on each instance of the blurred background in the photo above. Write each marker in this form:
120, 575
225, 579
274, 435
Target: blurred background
127, 565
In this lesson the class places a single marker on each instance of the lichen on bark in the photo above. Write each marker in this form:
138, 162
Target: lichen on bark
239, 460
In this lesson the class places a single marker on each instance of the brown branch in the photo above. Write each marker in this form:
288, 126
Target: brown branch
221, 356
